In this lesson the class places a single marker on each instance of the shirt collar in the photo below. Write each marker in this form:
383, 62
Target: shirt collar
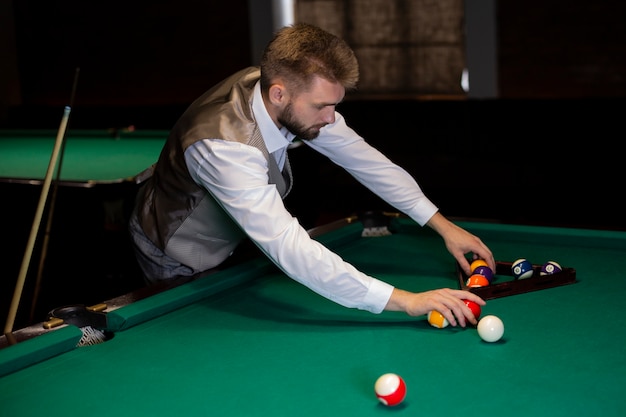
274, 138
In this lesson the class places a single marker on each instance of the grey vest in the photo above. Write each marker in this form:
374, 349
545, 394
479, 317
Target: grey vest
181, 218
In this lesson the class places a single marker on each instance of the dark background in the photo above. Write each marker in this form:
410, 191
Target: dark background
545, 151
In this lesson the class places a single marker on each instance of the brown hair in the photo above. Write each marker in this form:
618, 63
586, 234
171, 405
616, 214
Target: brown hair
301, 51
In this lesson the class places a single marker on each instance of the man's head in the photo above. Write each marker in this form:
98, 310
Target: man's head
299, 52
305, 72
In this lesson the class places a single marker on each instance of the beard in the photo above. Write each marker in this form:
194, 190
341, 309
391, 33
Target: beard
289, 121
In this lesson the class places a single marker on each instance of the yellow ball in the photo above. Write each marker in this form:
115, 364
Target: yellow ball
478, 262
436, 319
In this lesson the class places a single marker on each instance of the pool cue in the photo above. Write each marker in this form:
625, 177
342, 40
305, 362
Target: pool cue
44, 246
19, 286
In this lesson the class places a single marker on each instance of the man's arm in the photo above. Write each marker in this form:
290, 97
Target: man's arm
460, 242
447, 301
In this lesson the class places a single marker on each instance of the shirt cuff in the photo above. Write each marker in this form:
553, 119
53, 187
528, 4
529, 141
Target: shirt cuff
423, 212
378, 296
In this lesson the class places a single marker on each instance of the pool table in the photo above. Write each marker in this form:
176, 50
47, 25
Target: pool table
248, 341
89, 158
95, 193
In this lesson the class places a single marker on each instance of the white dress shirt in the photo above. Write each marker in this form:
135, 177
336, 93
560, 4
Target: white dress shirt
237, 176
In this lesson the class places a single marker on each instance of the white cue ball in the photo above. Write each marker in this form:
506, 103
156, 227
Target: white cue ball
490, 328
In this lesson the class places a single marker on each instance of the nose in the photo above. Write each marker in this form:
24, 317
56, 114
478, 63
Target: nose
329, 115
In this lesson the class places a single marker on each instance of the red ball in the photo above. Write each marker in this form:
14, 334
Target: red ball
390, 389
476, 310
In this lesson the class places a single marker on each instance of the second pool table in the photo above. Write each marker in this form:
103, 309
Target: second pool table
95, 193
89, 157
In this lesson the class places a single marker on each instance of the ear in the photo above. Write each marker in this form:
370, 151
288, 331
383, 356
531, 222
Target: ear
277, 94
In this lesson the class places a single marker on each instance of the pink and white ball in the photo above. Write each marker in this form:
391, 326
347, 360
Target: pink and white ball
390, 389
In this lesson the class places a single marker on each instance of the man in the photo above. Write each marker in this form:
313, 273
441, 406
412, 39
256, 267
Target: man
223, 174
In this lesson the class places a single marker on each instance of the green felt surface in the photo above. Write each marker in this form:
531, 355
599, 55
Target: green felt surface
267, 346
86, 156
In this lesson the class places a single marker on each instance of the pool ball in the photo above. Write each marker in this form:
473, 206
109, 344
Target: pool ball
436, 319
476, 310
477, 281
476, 263
390, 389
550, 268
490, 328
484, 271
522, 269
